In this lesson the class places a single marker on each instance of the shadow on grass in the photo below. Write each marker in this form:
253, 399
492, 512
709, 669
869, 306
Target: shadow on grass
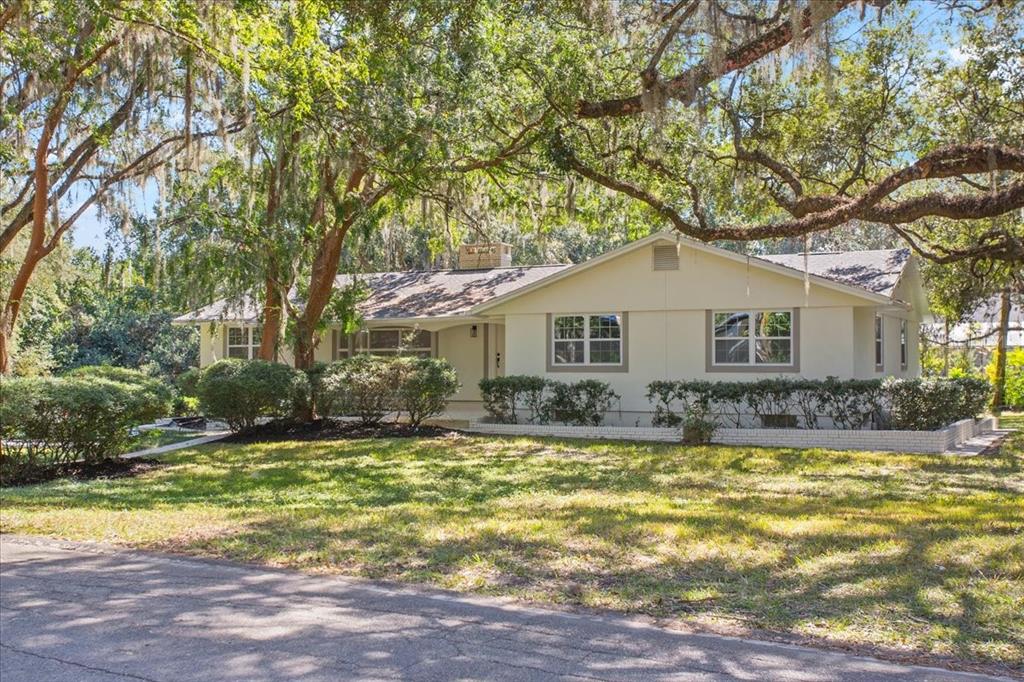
889, 550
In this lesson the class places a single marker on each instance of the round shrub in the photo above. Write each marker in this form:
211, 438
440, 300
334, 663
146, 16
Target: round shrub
242, 391
83, 415
187, 382
154, 389
365, 386
581, 403
504, 397
425, 385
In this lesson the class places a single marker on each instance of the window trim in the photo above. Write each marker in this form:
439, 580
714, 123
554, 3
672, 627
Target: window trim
622, 366
253, 350
878, 342
904, 345
353, 348
710, 366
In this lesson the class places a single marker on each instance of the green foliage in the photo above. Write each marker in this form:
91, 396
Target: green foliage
243, 391
425, 386
364, 386
929, 404
699, 425
76, 321
369, 387
538, 400
1014, 392
187, 382
506, 397
850, 403
86, 416
910, 404
581, 403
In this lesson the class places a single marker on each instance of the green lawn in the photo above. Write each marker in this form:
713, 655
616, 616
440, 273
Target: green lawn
923, 554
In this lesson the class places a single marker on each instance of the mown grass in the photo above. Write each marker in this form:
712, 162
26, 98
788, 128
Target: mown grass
911, 552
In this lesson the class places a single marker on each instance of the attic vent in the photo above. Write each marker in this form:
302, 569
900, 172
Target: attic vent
666, 258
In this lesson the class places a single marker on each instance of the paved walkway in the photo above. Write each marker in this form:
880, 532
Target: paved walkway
89, 613
180, 445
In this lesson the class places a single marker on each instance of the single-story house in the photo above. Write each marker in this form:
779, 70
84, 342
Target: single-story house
662, 307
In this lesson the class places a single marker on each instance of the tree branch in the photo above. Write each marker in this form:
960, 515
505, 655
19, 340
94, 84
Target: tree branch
823, 213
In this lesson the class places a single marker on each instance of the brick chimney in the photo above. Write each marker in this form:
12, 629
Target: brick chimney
484, 256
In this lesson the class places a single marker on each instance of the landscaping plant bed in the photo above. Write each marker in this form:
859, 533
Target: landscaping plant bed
331, 429
115, 467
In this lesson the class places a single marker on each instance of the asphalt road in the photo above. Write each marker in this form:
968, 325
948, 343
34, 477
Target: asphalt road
88, 613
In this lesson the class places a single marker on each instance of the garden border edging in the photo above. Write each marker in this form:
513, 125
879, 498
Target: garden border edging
926, 442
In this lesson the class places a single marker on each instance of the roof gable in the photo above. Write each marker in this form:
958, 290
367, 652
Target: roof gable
880, 270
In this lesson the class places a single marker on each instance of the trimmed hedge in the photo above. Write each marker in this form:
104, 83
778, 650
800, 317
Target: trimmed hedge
242, 391
929, 404
86, 415
507, 398
538, 400
904, 404
425, 386
369, 387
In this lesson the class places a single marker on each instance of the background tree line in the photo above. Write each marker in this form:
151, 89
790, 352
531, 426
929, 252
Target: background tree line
291, 140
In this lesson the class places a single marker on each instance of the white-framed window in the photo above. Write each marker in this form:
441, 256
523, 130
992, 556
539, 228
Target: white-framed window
903, 344
244, 342
390, 341
586, 339
752, 337
879, 344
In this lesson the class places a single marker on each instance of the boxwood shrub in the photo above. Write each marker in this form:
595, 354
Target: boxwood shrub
517, 396
369, 387
932, 403
241, 392
86, 415
537, 400
424, 387
905, 404
364, 386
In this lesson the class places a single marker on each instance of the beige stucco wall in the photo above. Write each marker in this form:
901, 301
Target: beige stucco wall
466, 354
671, 345
667, 327
703, 280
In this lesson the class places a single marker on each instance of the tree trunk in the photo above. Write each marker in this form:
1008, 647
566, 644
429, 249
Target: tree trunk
272, 316
36, 248
999, 395
325, 265
945, 352
321, 286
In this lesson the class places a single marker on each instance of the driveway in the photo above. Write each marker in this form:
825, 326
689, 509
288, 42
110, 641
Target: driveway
90, 613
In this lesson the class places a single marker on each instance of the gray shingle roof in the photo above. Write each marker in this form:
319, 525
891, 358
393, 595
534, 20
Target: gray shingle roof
396, 295
876, 271
446, 293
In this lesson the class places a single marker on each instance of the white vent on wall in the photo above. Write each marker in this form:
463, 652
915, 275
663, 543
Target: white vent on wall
666, 258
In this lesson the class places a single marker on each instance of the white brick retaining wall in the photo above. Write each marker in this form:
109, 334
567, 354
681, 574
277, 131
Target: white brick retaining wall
938, 441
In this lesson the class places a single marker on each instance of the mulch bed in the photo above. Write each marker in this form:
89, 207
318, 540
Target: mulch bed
327, 429
83, 471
